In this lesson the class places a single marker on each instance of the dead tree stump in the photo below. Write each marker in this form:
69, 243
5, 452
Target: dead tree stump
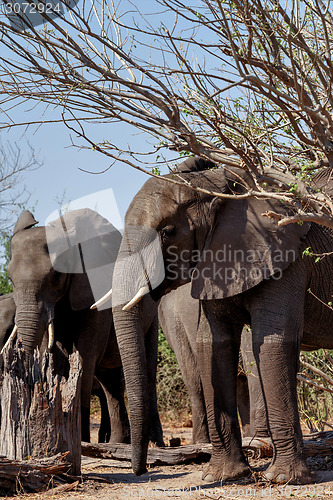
40, 406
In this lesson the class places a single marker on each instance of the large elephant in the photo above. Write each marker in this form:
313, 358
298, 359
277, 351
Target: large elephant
52, 269
245, 269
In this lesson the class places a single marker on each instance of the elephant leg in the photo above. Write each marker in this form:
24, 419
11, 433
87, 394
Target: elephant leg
200, 433
190, 372
243, 404
276, 345
113, 385
104, 431
257, 411
151, 344
86, 390
218, 352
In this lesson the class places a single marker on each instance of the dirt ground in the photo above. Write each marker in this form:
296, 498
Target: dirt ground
109, 479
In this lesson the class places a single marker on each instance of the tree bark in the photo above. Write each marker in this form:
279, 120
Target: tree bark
31, 476
40, 406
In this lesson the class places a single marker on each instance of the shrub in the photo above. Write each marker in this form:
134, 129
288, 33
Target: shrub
173, 399
315, 389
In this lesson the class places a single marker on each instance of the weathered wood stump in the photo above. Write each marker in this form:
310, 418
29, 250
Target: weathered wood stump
40, 406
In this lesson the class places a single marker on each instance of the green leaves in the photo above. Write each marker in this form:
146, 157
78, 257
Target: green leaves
5, 284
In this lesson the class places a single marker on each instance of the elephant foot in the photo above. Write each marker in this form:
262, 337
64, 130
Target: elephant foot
281, 472
156, 437
225, 471
201, 438
119, 438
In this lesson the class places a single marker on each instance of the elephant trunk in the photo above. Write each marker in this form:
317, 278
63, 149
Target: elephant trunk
137, 267
130, 338
31, 319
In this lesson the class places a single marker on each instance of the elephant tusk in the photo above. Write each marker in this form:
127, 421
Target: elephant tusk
143, 290
10, 339
51, 335
102, 300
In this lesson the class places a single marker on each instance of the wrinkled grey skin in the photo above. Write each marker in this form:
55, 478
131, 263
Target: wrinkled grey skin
178, 314
256, 403
7, 315
41, 294
281, 312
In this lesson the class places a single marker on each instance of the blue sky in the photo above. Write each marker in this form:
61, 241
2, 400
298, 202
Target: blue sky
59, 177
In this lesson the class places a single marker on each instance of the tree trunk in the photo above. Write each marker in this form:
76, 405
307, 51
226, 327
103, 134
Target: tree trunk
40, 406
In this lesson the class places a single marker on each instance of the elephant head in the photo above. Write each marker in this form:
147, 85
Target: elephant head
174, 235
72, 258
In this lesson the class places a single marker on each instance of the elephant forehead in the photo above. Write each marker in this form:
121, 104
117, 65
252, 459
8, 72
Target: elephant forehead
150, 209
29, 242
77, 226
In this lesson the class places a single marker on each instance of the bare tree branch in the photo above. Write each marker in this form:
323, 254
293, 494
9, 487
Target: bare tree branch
13, 196
245, 84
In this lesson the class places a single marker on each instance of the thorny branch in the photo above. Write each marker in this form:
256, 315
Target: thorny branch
245, 84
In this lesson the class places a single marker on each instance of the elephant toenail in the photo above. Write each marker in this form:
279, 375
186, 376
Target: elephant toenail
209, 478
268, 476
281, 478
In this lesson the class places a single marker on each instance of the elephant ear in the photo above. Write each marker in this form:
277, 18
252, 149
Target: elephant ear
85, 245
244, 248
25, 221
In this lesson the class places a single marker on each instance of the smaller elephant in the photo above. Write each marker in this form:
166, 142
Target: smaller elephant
104, 431
7, 321
7, 317
179, 318
52, 295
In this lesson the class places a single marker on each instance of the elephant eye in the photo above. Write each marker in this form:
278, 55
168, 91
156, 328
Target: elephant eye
168, 230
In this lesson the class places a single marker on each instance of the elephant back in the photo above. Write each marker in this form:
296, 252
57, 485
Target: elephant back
194, 164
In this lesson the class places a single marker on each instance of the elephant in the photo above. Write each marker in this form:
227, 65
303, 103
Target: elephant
51, 269
178, 315
244, 269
